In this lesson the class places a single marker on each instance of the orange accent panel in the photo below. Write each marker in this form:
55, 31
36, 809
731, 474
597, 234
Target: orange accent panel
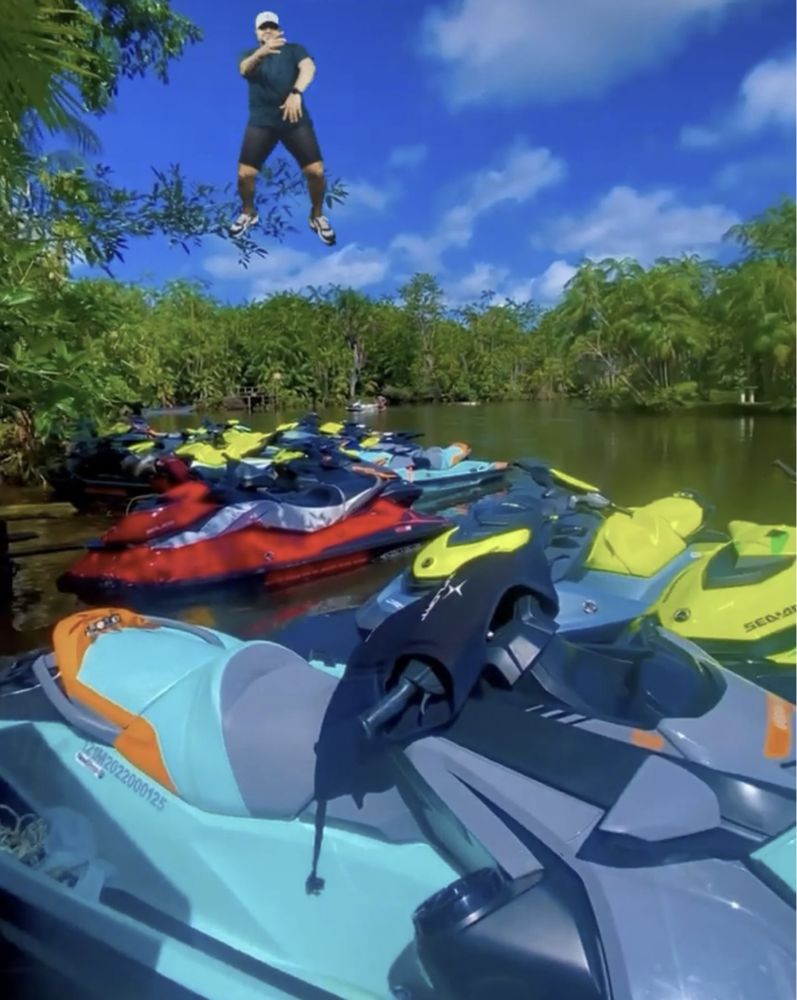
465, 452
71, 639
777, 739
138, 742
648, 739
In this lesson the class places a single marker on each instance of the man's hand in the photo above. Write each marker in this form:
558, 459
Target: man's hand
272, 44
269, 47
292, 108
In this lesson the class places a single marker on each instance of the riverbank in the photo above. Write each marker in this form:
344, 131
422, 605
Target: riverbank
717, 408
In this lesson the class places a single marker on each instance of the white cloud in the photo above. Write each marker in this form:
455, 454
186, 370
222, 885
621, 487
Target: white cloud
544, 288
508, 50
408, 156
364, 195
755, 171
767, 95
516, 177
294, 270
626, 223
418, 253
766, 99
481, 278
523, 173
548, 286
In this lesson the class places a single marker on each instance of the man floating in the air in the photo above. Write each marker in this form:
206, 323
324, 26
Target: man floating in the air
278, 73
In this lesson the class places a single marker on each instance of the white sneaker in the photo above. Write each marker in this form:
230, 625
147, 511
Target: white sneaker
242, 223
320, 225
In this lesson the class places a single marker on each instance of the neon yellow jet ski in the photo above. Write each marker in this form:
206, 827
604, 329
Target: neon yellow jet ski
740, 605
607, 567
233, 442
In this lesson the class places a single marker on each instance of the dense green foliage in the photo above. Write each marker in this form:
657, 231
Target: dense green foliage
621, 334
60, 65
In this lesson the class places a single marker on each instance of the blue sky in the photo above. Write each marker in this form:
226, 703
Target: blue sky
495, 143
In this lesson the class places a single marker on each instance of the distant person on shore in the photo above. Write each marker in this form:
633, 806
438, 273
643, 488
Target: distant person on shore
278, 73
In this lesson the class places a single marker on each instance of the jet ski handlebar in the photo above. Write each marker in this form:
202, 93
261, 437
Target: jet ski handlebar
417, 677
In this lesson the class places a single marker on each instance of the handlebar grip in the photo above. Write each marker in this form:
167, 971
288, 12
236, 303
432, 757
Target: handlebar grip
388, 708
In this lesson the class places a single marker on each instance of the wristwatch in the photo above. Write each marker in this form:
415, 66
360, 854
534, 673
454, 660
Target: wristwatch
295, 90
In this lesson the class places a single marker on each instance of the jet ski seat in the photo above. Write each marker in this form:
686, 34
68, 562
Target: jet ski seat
272, 703
229, 729
644, 542
758, 553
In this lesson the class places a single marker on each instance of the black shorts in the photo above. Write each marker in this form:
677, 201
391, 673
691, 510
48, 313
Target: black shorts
300, 141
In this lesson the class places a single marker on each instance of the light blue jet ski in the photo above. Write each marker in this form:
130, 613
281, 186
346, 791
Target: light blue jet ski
477, 805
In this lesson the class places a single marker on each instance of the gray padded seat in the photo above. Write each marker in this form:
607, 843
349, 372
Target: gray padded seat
272, 708
436, 457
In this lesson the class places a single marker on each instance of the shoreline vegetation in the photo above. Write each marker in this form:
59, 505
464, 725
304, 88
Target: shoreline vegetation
680, 333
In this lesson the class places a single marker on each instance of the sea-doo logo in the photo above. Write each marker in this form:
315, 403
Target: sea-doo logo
770, 619
445, 591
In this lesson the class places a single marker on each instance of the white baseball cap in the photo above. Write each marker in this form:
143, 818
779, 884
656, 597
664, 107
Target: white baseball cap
266, 17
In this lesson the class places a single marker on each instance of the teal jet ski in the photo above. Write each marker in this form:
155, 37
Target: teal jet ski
475, 806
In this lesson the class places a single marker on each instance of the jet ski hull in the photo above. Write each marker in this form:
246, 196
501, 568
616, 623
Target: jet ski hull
275, 557
214, 904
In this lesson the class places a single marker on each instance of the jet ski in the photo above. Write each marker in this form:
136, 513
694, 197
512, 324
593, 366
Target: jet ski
109, 468
135, 460
435, 468
212, 450
739, 604
477, 805
308, 523
349, 433
608, 563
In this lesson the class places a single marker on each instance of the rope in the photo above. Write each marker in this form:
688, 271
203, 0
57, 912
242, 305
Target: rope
23, 836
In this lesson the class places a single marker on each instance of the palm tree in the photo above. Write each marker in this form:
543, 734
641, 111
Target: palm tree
757, 298
44, 56
352, 317
771, 234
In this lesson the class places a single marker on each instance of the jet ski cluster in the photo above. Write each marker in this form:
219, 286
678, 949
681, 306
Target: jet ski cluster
553, 757
731, 592
134, 459
232, 506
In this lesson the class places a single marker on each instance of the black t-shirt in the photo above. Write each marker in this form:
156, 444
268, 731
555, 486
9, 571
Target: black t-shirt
271, 81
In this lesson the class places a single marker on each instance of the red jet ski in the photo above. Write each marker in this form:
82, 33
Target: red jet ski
288, 532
